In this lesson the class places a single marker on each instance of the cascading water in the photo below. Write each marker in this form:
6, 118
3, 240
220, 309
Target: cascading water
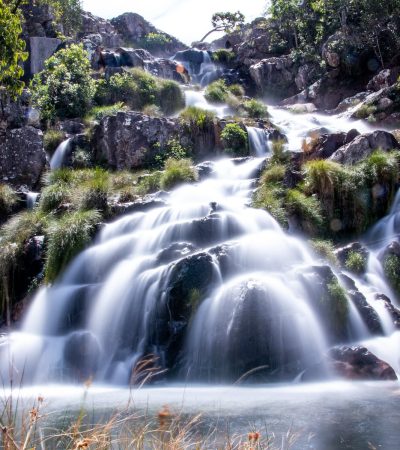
31, 199
58, 159
258, 141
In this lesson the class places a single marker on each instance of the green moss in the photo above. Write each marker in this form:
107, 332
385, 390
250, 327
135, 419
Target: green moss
365, 111
235, 139
52, 139
255, 109
356, 262
391, 268
67, 237
338, 307
177, 172
171, 97
325, 249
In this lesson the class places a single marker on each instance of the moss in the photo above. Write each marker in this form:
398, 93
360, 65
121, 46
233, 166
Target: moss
8, 199
52, 139
365, 111
307, 209
235, 139
325, 249
255, 109
171, 97
391, 268
356, 262
338, 307
177, 172
66, 238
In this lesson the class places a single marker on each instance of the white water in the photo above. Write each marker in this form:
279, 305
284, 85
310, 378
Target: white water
258, 141
59, 156
31, 199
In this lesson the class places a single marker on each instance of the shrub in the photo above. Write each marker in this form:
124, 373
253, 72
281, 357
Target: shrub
325, 249
177, 172
152, 111
68, 237
308, 210
81, 159
255, 109
223, 56
8, 198
173, 150
65, 88
279, 153
270, 197
155, 41
236, 90
356, 262
99, 112
275, 173
171, 97
338, 306
147, 88
382, 167
197, 118
365, 111
149, 183
93, 191
391, 268
217, 92
235, 139
52, 139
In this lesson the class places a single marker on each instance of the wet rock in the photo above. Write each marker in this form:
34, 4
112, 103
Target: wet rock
363, 146
384, 79
175, 251
357, 363
343, 253
205, 169
81, 355
192, 59
393, 311
22, 157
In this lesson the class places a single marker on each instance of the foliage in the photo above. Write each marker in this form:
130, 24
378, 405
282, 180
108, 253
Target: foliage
275, 173
64, 88
8, 198
391, 268
308, 209
223, 56
81, 159
177, 172
356, 262
338, 305
235, 139
52, 139
255, 109
68, 13
217, 92
67, 237
99, 112
225, 21
173, 150
150, 183
280, 155
12, 53
197, 118
155, 41
365, 111
325, 249
171, 97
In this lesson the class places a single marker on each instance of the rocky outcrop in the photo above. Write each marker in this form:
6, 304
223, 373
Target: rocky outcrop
384, 79
363, 146
22, 156
99, 30
17, 113
40, 20
133, 29
40, 49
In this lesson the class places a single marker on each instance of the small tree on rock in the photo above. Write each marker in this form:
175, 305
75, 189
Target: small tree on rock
225, 21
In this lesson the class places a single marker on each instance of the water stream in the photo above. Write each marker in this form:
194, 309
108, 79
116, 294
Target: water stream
61, 153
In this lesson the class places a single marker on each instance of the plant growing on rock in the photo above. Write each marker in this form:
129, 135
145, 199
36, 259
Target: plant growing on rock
223, 56
99, 112
155, 41
177, 172
308, 210
391, 269
235, 139
356, 262
8, 198
225, 21
325, 249
255, 109
197, 119
52, 138
171, 97
217, 92
65, 88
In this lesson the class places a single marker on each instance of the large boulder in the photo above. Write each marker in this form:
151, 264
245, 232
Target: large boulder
97, 26
40, 49
22, 156
133, 29
17, 113
363, 146
384, 79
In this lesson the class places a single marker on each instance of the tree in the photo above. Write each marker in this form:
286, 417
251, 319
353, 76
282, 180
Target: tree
68, 13
225, 21
12, 50
65, 88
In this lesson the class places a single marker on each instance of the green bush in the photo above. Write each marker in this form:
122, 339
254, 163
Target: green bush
255, 109
65, 88
171, 97
93, 192
271, 198
274, 173
217, 92
223, 56
154, 41
325, 249
235, 139
197, 118
307, 209
236, 90
391, 268
279, 153
99, 112
8, 198
67, 237
149, 183
52, 139
365, 111
356, 262
81, 159
177, 172
173, 149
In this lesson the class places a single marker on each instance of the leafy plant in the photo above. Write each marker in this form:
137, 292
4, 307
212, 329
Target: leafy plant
52, 139
155, 41
177, 172
235, 139
8, 198
356, 262
255, 109
225, 21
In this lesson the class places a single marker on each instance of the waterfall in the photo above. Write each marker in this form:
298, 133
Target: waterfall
31, 199
258, 141
58, 159
199, 65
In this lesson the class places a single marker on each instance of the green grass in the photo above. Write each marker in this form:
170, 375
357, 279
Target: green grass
325, 249
100, 112
223, 56
8, 199
356, 262
52, 139
177, 172
279, 153
171, 98
391, 268
308, 209
273, 174
235, 139
217, 92
197, 118
255, 109
338, 306
67, 237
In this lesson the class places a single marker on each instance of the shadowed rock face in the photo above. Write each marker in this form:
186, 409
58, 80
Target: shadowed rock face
22, 156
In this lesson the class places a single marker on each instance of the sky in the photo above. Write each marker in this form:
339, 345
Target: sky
188, 20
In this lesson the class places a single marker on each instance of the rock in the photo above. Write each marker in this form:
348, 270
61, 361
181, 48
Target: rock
274, 76
17, 113
40, 20
22, 157
357, 363
191, 58
40, 49
363, 146
134, 28
393, 311
175, 251
343, 253
81, 355
384, 79
101, 30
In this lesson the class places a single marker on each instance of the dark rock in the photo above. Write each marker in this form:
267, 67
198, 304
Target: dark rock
384, 79
81, 355
100, 30
22, 156
343, 253
357, 363
205, 169
118, 208
17, 113
363, 146
175, 251
393, 311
